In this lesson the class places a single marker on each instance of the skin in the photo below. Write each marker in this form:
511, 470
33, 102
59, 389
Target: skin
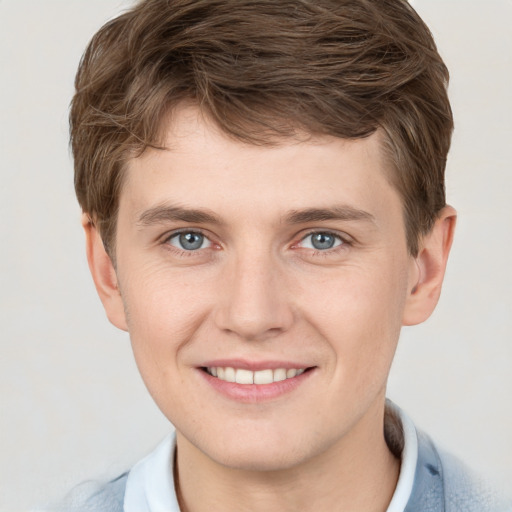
257, 290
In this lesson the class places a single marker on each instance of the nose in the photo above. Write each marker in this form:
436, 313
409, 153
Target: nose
253, 298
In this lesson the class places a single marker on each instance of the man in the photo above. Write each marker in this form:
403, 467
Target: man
263, 193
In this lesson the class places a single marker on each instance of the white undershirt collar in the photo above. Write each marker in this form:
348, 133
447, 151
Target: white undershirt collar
408, 464
150, 484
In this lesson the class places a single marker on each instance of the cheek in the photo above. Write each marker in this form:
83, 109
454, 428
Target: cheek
157, 297
164, 310
359, 312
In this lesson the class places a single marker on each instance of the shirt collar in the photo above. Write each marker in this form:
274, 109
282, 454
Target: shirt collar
150, 484
409, 460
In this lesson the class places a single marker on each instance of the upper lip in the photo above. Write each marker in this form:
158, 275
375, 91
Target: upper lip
254, 366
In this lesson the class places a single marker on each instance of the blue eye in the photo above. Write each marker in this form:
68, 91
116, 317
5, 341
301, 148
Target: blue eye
321, 241
189, 241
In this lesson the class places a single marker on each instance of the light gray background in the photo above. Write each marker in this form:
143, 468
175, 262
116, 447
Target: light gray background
72, 404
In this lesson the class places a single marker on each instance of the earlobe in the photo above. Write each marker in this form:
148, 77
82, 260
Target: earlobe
428, 271
104, 275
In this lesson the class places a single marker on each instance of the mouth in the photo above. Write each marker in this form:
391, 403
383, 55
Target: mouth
255, 382
247, 377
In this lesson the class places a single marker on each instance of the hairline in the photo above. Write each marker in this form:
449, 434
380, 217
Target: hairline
299, 134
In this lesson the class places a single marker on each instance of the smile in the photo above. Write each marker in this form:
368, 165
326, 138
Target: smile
243, 376
255, 382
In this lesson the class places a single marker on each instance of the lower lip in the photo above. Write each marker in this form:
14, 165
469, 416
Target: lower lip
254, 393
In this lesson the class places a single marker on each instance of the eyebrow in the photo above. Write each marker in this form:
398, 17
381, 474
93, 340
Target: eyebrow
322, 214
165, 213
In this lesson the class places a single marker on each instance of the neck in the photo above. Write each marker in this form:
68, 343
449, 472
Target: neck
358, 472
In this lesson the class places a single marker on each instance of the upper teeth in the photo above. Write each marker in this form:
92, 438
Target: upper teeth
248, 377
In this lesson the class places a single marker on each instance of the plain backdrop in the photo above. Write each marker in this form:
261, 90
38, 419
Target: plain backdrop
72, 404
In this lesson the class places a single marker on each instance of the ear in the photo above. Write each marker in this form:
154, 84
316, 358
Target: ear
428, 268
104, 275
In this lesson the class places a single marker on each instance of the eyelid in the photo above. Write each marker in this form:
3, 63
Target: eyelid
338, 241
164, 241
176, 237
175, 232
343, 237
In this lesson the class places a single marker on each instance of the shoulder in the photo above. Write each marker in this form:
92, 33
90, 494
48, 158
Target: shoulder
467, 490
96, 497
443, 483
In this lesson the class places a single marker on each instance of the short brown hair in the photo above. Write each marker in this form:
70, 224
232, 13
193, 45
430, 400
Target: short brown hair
263, 69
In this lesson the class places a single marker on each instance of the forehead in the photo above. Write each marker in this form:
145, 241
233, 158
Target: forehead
201, 166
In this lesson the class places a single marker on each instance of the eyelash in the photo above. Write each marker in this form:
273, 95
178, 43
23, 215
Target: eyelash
345, 242
183, 252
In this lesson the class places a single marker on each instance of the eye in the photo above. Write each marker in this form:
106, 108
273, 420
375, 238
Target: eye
321, 241
189, 241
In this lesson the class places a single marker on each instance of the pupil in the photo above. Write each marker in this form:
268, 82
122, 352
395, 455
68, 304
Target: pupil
322, 241
191, 241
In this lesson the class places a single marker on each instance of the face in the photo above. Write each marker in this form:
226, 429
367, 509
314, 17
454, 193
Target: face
264, 290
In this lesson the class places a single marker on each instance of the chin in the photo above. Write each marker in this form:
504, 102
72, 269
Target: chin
269, 459
263, 451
